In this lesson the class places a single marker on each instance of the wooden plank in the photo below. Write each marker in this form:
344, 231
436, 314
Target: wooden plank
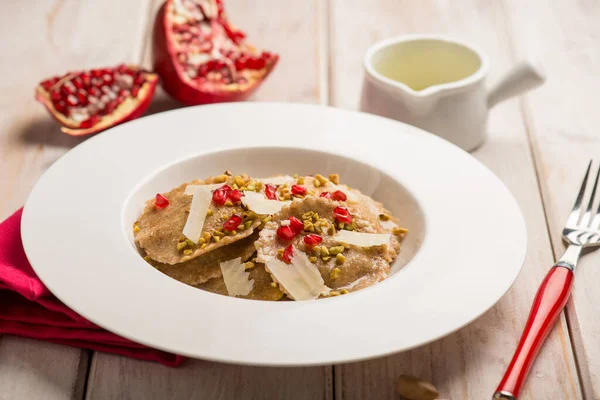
469, 363
272, 25
563, 119
50, 38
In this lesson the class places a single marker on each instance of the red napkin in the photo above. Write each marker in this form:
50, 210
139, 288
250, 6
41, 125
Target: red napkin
27, 308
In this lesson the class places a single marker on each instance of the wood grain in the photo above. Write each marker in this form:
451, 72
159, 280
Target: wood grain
271, 25
563, 120
455, 363
46, 39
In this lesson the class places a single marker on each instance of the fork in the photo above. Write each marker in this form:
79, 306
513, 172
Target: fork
581, 230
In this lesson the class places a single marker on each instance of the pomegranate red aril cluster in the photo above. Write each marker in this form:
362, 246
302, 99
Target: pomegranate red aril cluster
290, 228
202, 58
341, 214
338, 195
224, 193
312, 239
270, 192
232, 223
90, 101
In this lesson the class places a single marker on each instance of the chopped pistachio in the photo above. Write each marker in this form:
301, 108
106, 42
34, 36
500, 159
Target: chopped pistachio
206, 236
325, 258
280, 251
344, 291
203, 246
217, 238
315, 217
334, 293
287, 196
182, 238
295, 176
209, 212
201, 241
251, 186
318, 229
335, 273
350, 227
218, 234
250, 215
341, 225
228, 202
148, 259
346, 245
312, 259
274, 284
181, 246
399, 231
340, 258
308, 226
238, 180
331, 230
267, 219
316, 183
336, 250
321, 179
308, 215
247, 225
324, 251
335, 178
136, 227
189, 242
220, 178
384, 217
249, 265
187, 252
300, 180
233, 232
235, 186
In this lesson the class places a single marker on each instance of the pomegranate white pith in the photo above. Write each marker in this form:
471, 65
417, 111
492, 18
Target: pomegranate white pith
201, 58
90, 101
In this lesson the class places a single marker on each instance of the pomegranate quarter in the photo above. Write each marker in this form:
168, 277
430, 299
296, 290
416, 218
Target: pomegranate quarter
202, 58
91, 101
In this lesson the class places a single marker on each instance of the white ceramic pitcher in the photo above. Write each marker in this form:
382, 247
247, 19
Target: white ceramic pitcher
437, 83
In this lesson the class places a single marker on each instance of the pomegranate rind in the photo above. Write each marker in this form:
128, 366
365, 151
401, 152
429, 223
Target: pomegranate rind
130, 109
174, 80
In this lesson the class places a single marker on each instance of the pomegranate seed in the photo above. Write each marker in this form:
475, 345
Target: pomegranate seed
134, 91
232, 223
326, 195
287, 254
285, 233
82, 97
72, 100
61, 107
296, 225
47, 84
65, 90
86, 79
160, 201
342, 214
139, 79
220, 195
298, 190
55, 95
88, 123
122, 69
94, 91
240, 63
203, 70
96, 73
108, 79
312, 239
339, 195
110, 107
270, 192
235, 196
259, 63
78, 83
124, 93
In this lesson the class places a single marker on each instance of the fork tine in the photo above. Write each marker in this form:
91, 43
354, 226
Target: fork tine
588, 212
574, 216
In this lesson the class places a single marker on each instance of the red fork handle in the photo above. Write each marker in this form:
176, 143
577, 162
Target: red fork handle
549, 301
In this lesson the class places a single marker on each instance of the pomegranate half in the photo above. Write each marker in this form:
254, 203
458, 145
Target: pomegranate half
202, 58
91, 101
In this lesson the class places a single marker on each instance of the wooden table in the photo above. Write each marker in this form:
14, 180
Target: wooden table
538, 145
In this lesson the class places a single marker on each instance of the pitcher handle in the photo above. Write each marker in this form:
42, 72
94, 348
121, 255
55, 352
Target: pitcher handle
522, 77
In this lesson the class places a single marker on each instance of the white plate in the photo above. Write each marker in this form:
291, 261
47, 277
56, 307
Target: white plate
465, 246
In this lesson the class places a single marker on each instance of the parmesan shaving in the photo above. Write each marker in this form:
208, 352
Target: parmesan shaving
301, 279
388, 225
195, 220
236, 277
352, 197
258, 203
362, 239
278, 180
191, 189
